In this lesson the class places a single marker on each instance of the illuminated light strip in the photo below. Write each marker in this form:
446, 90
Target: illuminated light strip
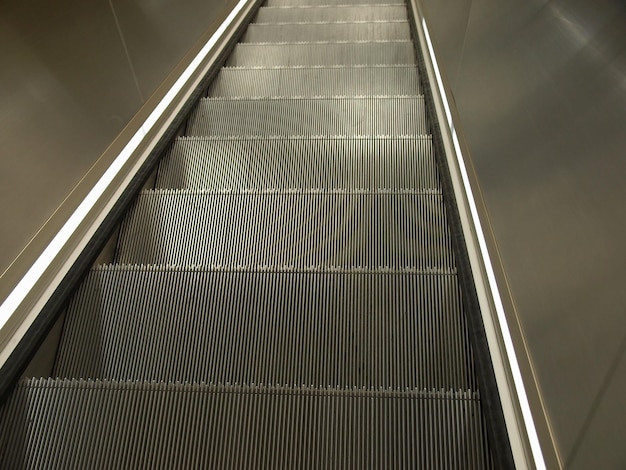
506, 334
36, 271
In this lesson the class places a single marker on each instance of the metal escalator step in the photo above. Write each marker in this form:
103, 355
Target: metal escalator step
331, 53
84, 424
291, 300
376, 31
292, 3
340, 329
296, 162
339, 229
326, 13
316, 81
395, 116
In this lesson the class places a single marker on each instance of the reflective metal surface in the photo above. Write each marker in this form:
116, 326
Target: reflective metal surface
541, 90
345, 287
66, 91
158, 33
73, 75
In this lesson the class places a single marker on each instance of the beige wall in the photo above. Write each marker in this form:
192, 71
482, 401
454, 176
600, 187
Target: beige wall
73, 74
541, 90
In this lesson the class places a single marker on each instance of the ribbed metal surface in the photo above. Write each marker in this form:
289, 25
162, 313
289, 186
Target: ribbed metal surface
290, 3
347, 229
374, 31
296, 162
317, 81
299, 249
331, 53
330, 13
341, 329
85, 424
395, 116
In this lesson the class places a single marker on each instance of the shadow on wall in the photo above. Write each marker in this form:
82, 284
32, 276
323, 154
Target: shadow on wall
541, 90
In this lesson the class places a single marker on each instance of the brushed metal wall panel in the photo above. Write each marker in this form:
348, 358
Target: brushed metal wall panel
602, 444
541, 90
65, 92
159, 33
448, 20
73, 74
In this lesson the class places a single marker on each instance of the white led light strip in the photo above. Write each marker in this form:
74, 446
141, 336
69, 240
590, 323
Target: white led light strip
36, 271
506, 334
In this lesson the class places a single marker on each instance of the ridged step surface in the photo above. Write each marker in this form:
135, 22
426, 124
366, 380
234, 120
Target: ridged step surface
287, 297
323, 14
291, 3
341, 329
343, 229
296, 162
397, 116
331, 53
311, 32
85, 424
316, 81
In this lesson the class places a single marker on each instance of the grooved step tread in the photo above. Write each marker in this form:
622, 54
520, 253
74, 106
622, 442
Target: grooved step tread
395, 230
331, 53
297, 162
316, 81
86, 424
299, 250
375, 31
343, 330
332, 13
291, 3
395, 116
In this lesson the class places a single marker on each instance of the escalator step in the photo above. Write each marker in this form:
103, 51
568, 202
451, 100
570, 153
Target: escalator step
332, 53
288, 296
297, 3
316, 81
283, 163
84, 424
288, 229
374, 31
340, 329
326, 13
309, 116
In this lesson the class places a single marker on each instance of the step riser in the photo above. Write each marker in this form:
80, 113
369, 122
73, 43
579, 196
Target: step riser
331, 14
355, 81
264, 33
340, 330
309, 117
365, 53
281, 230
91, 425
299, 163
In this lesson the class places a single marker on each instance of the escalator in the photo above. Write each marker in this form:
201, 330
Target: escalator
286, 294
